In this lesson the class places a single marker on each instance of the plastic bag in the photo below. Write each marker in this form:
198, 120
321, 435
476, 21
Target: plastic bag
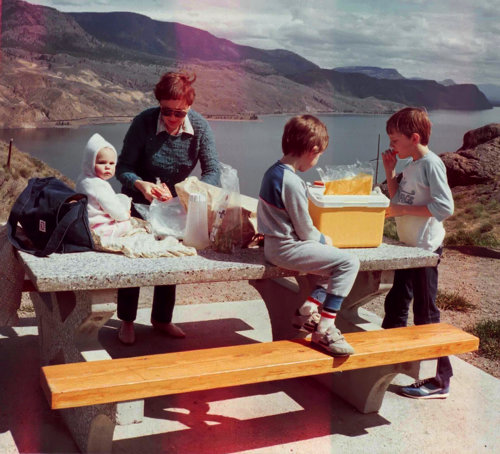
166, 218
225, 234
347, 179
192, 185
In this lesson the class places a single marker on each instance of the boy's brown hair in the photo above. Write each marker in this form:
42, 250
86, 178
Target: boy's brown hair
410, 120
176, 86
302, 133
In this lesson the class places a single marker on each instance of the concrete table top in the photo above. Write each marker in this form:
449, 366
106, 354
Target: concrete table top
98, 270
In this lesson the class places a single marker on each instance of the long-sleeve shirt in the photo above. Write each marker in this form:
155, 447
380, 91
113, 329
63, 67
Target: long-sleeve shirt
424, 183
149, 153
282, 211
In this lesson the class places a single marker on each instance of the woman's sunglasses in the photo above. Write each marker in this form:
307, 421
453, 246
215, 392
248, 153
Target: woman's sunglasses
177, 113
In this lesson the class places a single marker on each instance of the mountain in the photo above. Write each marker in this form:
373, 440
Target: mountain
447, 82
372, 71
426, 93
82, 67
181, 42
492, 92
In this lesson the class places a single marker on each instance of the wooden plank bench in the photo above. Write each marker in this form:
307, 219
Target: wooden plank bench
124, 379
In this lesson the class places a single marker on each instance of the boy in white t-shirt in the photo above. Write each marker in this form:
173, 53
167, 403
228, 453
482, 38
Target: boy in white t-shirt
419, 202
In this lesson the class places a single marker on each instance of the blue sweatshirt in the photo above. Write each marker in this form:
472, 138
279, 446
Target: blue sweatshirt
282, 211
148, 154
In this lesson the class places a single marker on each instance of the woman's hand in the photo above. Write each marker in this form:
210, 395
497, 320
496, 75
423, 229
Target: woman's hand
152, 191
161, 192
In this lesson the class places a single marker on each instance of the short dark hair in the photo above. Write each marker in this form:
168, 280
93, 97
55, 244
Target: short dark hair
176, 86
411, 120
302, 133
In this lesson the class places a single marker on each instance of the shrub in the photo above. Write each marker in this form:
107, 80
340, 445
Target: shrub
486, 227
488, 332
449, 301
390, 229
480, 236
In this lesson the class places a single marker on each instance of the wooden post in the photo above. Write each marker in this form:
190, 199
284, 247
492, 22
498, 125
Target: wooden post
10, 153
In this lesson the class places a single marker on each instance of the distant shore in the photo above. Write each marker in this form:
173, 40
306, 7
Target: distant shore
120, 119
117, 119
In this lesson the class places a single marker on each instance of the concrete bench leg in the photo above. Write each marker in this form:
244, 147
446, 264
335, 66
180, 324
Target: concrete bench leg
68, 326
364, 389
283, 297
367, 286
69, 322
92, 427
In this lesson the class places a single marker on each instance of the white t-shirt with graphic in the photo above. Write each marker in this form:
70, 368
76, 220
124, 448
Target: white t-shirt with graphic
424, 182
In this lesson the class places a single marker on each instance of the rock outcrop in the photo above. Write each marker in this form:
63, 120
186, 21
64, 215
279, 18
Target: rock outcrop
478, 160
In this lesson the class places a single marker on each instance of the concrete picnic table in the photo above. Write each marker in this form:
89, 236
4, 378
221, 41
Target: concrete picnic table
75, 295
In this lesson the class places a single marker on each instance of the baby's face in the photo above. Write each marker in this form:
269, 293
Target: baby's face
105, 163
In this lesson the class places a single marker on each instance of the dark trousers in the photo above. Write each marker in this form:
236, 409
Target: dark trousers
421, 285
163, 303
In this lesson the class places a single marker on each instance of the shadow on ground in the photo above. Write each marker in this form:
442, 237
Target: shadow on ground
220, 421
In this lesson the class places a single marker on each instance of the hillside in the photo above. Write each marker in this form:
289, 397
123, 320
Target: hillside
428, 93
43, 90
371, 71
14, 179
59, 68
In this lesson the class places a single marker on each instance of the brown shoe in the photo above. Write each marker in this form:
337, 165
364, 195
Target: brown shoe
169, 329
126, 333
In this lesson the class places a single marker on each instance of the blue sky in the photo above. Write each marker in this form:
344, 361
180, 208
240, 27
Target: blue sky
435, 39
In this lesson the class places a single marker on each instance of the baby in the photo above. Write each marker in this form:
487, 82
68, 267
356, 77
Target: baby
109, 213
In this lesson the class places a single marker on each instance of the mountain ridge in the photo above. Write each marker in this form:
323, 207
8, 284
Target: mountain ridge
65, 66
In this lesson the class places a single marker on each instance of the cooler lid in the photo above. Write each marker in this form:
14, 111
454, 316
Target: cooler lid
373, 200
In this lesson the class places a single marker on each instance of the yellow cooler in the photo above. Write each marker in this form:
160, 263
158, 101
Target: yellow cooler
349, 220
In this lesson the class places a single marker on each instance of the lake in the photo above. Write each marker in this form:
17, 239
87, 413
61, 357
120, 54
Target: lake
252, 146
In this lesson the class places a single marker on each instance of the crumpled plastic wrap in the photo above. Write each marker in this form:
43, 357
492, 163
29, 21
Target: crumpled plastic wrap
347, 179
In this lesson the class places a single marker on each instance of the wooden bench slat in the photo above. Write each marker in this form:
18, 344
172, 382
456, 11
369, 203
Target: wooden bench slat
117, 380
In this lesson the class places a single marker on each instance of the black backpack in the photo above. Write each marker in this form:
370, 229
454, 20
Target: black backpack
53, 217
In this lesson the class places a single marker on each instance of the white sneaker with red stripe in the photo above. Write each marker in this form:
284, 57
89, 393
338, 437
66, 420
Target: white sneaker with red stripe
332, 341
306, 323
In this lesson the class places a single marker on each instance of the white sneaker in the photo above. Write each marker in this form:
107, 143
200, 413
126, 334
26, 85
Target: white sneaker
306, 323
332, 341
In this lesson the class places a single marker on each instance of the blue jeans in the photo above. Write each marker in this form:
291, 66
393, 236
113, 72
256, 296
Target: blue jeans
421, 285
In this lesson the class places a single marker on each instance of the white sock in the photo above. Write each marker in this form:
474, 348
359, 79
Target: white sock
311, 305
326, 321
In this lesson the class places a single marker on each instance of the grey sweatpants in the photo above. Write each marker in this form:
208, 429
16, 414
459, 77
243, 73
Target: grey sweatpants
338, 268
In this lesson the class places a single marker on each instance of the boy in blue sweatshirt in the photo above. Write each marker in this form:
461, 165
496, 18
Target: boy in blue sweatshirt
292, 241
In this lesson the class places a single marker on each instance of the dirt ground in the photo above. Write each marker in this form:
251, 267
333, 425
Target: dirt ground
473, 273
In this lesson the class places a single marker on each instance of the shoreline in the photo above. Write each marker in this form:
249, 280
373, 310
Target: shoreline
121, 119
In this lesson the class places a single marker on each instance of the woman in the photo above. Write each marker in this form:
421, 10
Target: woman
164, 143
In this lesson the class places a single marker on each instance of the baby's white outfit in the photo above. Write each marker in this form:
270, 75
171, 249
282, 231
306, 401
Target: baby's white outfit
109, 212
